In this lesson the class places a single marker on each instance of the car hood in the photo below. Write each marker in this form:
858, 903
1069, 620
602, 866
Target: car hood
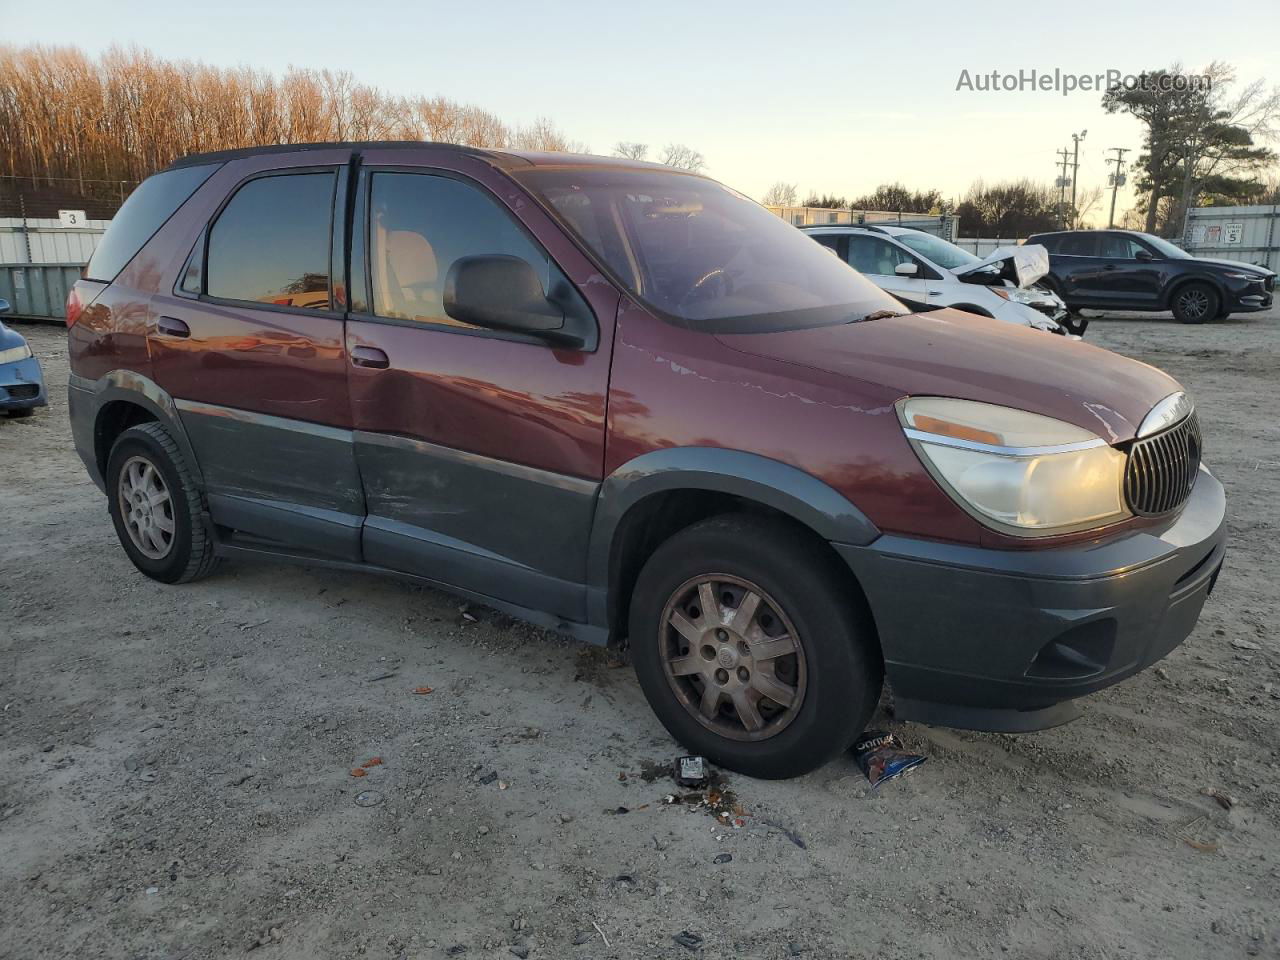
949, 353
1020, 265
10, 338
1237, 265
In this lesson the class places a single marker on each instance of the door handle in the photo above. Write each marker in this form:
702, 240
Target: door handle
369, 357
172, 327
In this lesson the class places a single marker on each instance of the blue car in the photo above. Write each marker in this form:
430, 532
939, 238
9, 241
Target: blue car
21, 382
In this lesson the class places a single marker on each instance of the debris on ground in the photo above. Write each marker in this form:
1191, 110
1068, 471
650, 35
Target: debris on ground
691, 772
584, 936
421, 691
1187, 834
1225, 800
787, 832
723, 858
690, 941
359, 772
368, 798
881, 757
488, 778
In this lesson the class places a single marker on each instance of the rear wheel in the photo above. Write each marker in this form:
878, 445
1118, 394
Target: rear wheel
155, 506
750, 649
1196, 303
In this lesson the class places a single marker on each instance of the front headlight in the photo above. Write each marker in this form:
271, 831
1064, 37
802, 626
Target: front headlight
20, 352
1255, 277
1017, 294
1018, 472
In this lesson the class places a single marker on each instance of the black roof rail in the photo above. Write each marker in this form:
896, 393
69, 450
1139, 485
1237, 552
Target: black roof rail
222, 156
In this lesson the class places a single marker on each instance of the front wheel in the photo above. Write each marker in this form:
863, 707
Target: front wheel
1196, 303
750, 648
155, 506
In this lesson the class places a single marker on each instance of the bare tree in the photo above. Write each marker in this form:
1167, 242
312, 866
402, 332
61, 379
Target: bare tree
1086, 200
781, 194
631, 150
122, 116
683, 158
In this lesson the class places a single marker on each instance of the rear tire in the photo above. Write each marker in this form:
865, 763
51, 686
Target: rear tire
720, 680
20, 412
156, 507
1196, 303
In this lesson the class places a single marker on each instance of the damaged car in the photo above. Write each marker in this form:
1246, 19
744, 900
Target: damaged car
925, 271
629, 404
21, 380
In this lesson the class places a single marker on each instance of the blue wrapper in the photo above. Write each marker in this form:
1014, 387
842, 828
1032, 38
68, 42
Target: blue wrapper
880, 756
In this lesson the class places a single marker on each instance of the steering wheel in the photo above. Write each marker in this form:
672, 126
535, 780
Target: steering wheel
718, 275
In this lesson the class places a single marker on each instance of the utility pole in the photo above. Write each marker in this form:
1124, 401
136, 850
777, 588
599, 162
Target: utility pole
1075, 172
1117, 181
1062, 186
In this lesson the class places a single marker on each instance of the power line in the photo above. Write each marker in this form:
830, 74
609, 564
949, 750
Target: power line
1117, 180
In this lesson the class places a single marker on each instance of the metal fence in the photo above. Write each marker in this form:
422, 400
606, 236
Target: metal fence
1248, 234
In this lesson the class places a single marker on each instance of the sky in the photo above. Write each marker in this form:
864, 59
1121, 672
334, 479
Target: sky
833, 97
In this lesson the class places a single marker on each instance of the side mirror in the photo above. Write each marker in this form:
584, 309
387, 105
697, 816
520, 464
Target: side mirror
5, 306
504, 293
1143, 255
907, 269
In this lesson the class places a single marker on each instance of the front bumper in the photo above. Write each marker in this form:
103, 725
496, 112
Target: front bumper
1248, 297
1005, 639
22, 385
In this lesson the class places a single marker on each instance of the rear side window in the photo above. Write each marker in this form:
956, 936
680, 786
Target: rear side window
270, 244
145, 212
1078, 245
1050, 242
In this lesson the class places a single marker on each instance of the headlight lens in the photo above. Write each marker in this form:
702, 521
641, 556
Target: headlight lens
20, 352
1018, 472
1017, 294
1244, 276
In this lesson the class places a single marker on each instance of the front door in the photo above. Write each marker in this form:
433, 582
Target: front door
481, 452
250, 345
1123, 278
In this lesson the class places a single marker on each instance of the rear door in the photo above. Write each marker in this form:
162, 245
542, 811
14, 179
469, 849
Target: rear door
251, 346
481, 452
1076, 264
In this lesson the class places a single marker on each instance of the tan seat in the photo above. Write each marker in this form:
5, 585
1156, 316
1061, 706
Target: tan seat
406, 275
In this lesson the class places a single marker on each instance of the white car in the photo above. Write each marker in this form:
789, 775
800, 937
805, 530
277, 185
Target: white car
926, 271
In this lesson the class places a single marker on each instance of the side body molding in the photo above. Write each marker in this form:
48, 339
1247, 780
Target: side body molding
773, 483
86, 398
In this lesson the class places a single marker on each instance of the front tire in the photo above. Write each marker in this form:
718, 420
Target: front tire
1196, 303
156, 508
750, 648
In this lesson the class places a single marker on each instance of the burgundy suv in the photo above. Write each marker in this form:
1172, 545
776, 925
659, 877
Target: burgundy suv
628, 403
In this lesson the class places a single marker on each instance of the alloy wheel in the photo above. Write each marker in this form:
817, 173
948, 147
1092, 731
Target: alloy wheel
1194, 303
146, 508
732, 656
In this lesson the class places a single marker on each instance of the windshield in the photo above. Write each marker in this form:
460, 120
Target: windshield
701, 254
1165, 248
941, 252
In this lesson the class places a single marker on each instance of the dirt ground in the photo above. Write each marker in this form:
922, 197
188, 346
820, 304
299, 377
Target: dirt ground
177, 763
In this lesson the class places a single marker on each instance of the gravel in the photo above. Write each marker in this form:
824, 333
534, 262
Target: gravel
177, 763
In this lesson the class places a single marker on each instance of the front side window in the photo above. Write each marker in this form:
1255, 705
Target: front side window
941, 252
270, 244
1164, 248
876, 255
701, 254
420, 225
1117, 246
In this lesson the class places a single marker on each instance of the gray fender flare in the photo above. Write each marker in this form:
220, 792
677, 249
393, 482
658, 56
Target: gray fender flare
781, 486
134, 388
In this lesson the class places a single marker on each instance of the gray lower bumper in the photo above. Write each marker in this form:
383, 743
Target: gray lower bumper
999, 639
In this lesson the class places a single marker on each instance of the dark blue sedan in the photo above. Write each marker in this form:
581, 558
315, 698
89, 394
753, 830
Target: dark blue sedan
21, 382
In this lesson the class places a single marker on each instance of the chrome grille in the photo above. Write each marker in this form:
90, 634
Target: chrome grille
1162, 469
